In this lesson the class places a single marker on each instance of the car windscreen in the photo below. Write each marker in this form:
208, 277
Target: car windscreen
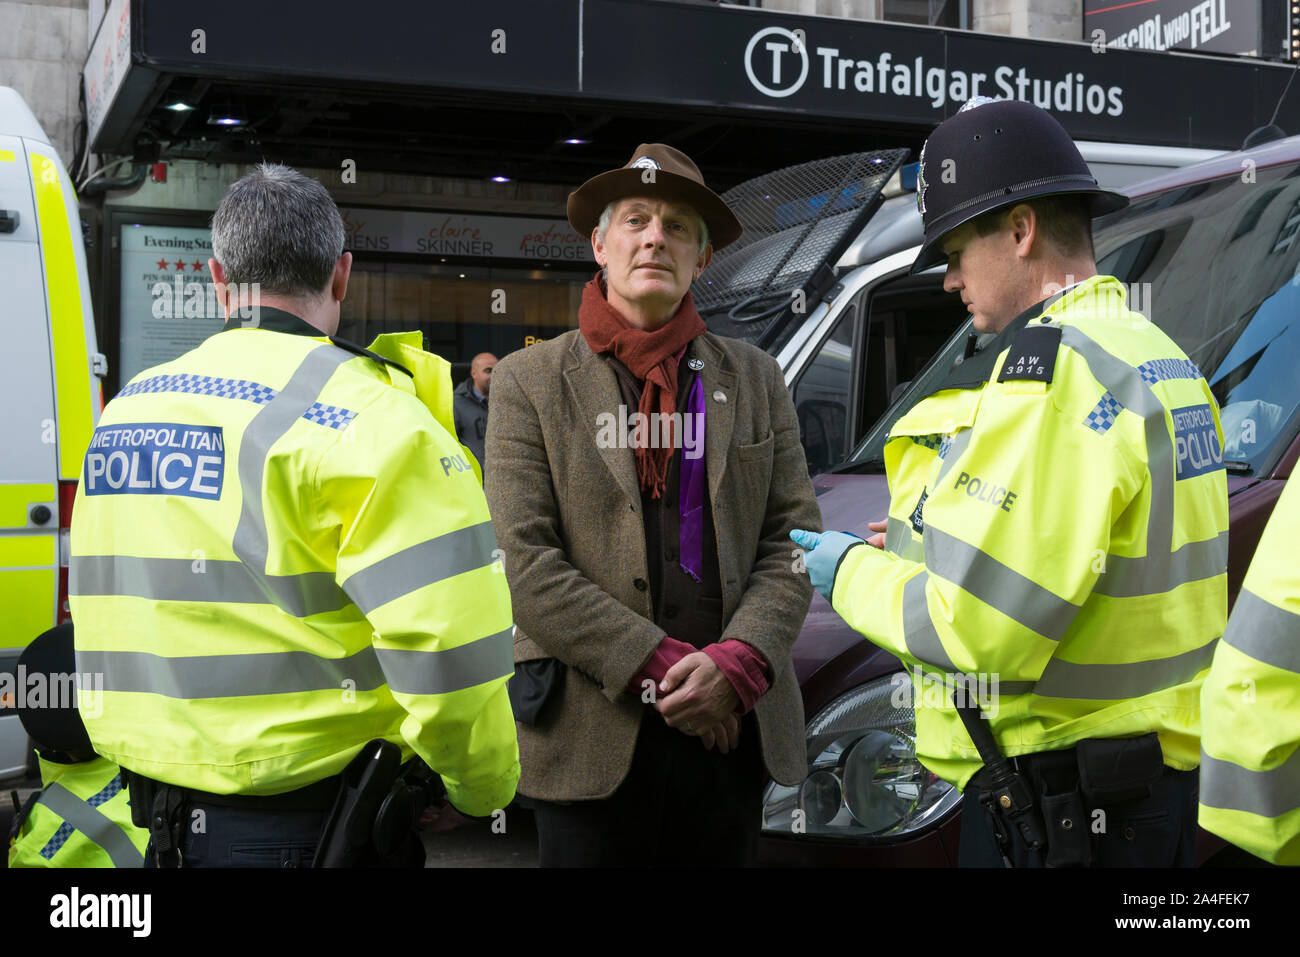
1216, 265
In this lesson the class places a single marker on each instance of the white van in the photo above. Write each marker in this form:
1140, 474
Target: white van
821, 281
49, 391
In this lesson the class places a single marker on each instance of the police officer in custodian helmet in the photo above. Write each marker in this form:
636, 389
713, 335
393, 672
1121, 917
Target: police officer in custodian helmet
1044, 536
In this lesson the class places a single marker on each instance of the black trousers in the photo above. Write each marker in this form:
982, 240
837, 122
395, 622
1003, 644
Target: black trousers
219, 836
1156, 831
229, 837
679, 806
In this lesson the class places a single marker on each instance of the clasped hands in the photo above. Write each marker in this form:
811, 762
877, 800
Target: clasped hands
696, 698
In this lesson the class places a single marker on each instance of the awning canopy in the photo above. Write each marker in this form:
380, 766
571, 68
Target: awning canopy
498, 88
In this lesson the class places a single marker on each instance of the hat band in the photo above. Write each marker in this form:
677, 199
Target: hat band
1012, 190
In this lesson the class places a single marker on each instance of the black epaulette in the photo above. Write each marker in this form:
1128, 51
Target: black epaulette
1032, 354
363, 351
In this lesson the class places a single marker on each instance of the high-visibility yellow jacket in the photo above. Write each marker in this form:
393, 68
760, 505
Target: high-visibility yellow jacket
1064, 542
82, 818
1250, 759
278, 554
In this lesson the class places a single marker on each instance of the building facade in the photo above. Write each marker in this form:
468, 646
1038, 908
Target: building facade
452, 168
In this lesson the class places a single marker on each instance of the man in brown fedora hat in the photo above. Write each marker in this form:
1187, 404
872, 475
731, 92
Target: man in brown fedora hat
645, 475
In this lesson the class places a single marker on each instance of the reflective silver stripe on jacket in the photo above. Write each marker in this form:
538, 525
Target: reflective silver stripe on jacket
211, 580
231, 676
1231, 787
206, 580
1021, 599
1265, 632
452, 669
919, 633
411, 569
1113, 682
1126, 577
1118, 682
899, 541
294, 672
1128, 387
299, 595
93, 824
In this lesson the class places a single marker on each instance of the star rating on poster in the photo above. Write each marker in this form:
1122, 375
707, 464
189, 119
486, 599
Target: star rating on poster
195, 266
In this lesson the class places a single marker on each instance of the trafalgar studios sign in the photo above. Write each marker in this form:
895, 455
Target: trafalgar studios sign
780, 62
872, 72
1207, 26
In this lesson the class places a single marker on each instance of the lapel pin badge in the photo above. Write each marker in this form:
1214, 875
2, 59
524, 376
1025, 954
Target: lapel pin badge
695, 365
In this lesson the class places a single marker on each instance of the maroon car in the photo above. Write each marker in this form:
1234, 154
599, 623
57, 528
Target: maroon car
1211, 254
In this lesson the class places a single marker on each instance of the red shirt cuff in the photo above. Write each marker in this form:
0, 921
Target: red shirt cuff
744, 668
668, 653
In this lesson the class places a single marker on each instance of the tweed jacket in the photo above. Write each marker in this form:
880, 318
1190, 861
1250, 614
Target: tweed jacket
567, 516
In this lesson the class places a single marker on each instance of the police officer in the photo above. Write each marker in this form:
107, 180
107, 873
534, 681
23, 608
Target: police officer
1057, 528
81, 816
280, 554
1250, 785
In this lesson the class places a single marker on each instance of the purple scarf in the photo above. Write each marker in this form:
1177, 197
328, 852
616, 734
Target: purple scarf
690, 493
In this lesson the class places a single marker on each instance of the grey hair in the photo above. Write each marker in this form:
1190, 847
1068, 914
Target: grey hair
279, 229
607, 214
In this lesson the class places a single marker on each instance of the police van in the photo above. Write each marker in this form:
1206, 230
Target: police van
50, 395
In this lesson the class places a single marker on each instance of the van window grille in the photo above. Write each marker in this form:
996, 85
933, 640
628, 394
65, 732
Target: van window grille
798, 222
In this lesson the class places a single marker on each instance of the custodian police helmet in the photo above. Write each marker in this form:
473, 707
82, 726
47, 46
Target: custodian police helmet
54, 724
994, 153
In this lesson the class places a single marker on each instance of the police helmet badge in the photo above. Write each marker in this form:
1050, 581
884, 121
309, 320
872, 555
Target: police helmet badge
975, 101
921, 184
920, 181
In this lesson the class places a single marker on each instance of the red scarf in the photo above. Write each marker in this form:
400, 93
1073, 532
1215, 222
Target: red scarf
650, 356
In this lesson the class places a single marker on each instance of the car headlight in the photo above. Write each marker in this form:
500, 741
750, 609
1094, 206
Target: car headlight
864, 781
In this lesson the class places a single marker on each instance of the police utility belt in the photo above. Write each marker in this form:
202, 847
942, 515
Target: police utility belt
1046, 798
370, 808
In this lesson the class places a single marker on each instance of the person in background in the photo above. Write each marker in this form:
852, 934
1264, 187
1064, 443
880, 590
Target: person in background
470, 405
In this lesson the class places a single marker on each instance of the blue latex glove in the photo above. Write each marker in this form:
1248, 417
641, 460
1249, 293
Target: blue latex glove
822, 554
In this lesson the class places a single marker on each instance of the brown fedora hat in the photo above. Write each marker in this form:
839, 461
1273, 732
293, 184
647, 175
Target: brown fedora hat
654, 170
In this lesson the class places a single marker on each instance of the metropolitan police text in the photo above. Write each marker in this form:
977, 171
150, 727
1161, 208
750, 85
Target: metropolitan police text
154, 458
